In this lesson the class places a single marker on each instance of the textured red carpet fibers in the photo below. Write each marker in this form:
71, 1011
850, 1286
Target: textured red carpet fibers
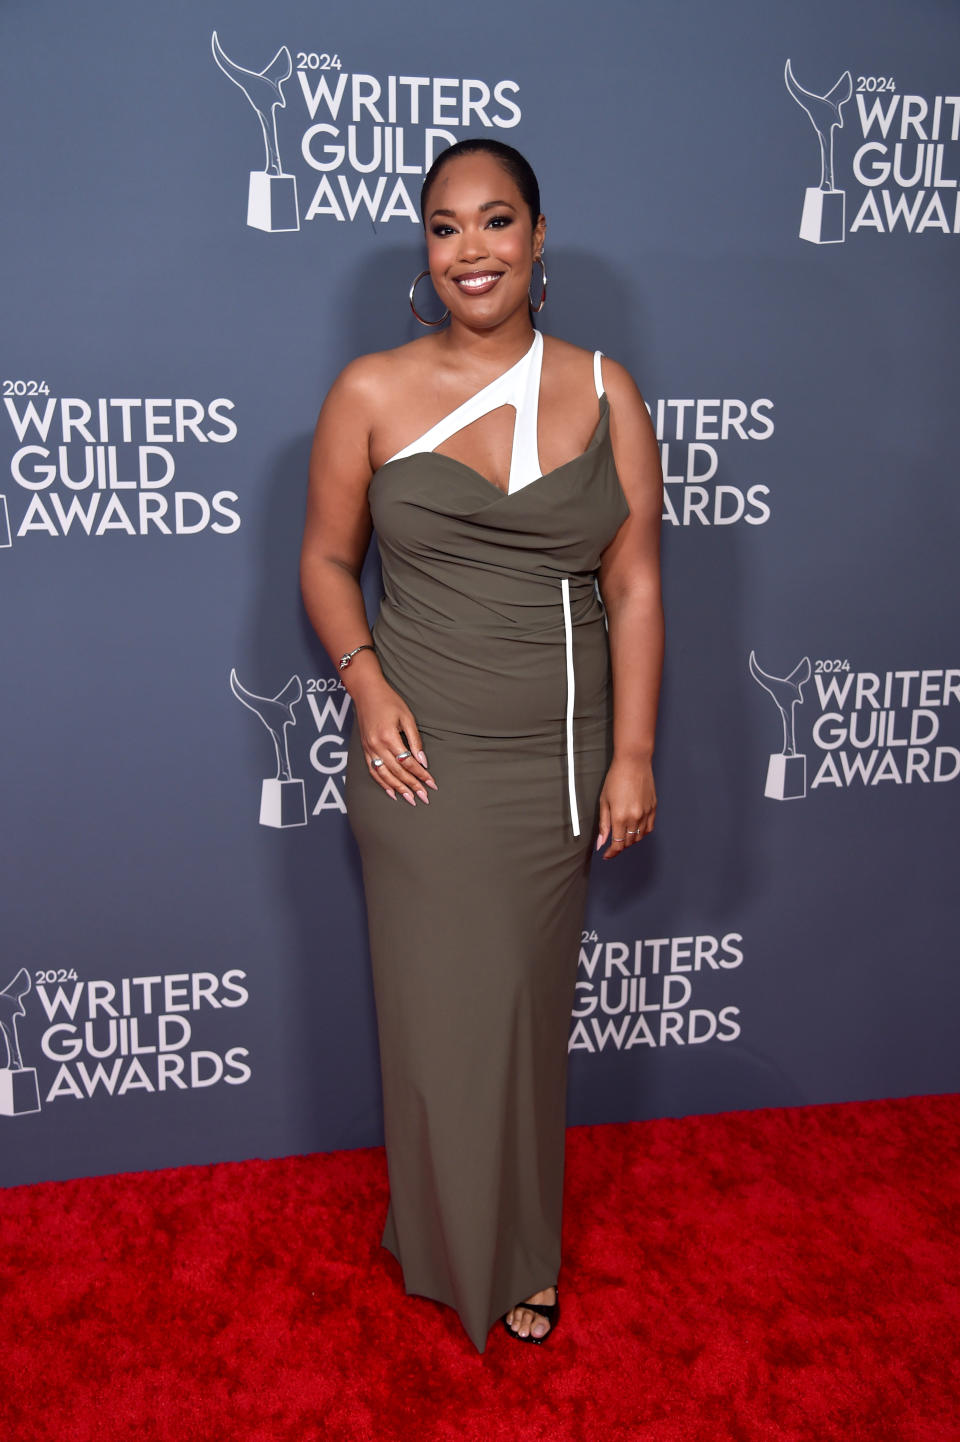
774, 1274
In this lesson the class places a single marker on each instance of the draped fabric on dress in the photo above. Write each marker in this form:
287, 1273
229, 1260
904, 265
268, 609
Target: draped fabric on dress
492, 629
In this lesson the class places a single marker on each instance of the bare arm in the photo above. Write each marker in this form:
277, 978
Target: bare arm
629, 581
337, 529
336, 536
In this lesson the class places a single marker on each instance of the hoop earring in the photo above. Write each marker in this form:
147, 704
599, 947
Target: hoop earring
538, 260
414, 308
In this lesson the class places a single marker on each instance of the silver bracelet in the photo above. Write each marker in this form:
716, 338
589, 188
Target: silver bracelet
348, 656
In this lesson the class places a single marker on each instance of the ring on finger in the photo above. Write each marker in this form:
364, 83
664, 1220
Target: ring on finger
376, 761
618, 838
633, 833
402, 754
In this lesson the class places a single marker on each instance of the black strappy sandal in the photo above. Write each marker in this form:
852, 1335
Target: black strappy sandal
552, 1314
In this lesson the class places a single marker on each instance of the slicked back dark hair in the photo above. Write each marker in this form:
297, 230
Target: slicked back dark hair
516, 165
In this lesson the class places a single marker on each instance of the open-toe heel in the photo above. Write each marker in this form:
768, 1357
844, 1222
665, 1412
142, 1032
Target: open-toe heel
552, 1314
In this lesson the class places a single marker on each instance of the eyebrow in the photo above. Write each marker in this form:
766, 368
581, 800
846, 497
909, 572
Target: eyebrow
487, 205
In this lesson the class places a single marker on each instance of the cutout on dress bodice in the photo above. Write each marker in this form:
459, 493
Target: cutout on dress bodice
517, 388
482, 444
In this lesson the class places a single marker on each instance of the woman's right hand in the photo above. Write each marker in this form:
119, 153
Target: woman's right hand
387, 730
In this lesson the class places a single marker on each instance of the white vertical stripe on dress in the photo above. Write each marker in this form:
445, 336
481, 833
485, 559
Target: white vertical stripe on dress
568, 636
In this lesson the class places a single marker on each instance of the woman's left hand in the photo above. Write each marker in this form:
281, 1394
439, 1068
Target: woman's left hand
628, 805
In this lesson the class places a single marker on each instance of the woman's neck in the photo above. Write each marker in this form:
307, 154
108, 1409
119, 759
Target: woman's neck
489, 348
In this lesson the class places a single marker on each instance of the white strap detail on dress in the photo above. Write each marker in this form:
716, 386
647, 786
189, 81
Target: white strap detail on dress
568, 637
525, 458
597, 376
520, 387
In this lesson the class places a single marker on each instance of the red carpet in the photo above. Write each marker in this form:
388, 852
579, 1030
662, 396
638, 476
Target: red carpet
790, 1275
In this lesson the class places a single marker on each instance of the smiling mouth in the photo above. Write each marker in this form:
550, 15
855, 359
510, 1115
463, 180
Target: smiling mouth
478, 282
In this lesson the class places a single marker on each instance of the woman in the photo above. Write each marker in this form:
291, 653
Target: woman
513, 481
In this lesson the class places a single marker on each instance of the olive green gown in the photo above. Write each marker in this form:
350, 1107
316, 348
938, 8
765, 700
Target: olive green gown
492, 629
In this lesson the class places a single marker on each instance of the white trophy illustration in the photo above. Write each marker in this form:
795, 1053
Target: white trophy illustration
824, 207
787, 770
19, 1092
272, 198
283, 800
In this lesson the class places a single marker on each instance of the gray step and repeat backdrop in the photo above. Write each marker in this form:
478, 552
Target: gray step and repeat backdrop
210, 209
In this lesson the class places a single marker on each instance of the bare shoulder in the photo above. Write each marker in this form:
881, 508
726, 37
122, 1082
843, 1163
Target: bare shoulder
369, 406
619, 384
635, 449
575, 363
372, 378
571, 362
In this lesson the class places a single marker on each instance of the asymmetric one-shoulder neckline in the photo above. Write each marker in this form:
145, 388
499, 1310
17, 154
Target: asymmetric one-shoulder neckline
518, 386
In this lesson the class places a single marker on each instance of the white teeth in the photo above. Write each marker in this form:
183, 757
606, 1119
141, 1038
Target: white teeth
475, 282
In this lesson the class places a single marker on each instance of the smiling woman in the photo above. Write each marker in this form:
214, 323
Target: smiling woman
500, 213
514, 483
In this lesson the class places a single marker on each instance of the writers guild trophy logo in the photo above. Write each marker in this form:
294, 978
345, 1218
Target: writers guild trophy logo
272, 198
824, 220
787, 770
283, 799
18, 1083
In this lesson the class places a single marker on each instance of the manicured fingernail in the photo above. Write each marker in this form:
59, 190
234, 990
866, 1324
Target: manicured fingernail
423, 796
422, 758
391, 793
599, 842
408, 796
431, 784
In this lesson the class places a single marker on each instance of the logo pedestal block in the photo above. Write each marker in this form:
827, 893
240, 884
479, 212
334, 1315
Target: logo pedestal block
283, 803
786, 778
19, 1093
824, 216
272, 202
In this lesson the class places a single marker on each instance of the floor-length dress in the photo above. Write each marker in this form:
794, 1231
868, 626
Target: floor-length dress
492, 629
